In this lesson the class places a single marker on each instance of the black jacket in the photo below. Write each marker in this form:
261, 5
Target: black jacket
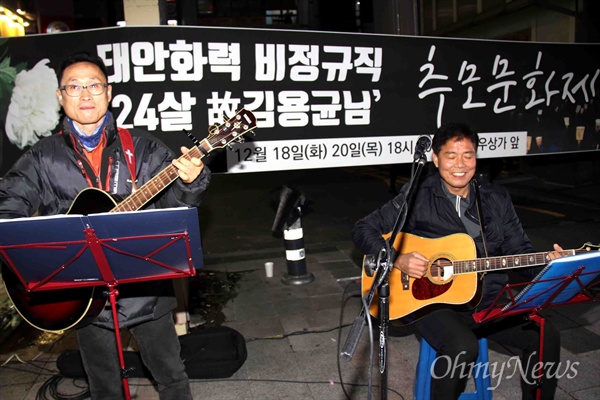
432, 215
52, 172
47, 178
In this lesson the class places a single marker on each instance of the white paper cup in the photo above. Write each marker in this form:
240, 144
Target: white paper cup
269, 269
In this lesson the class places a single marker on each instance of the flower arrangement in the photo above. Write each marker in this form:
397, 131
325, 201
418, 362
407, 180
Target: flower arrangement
7, 74
34, 109
9, 318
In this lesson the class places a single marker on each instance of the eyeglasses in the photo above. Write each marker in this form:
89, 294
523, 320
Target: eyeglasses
95, 89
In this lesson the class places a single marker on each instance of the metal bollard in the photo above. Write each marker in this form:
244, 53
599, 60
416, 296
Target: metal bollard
295, 254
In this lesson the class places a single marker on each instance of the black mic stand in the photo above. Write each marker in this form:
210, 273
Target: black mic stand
383, 266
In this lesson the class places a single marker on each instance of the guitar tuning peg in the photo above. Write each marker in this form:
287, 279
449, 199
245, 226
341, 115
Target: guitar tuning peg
213, 128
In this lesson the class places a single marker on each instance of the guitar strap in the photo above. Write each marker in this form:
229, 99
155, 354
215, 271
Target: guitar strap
400, 204
478, 204
127, 144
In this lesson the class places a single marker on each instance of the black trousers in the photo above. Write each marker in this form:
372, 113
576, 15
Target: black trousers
454, 335
160, 350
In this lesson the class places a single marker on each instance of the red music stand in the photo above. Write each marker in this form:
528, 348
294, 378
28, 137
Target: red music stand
95, 250
563, 281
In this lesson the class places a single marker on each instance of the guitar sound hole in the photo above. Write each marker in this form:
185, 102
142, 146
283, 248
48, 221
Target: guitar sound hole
436, 284
440, 271
437, 273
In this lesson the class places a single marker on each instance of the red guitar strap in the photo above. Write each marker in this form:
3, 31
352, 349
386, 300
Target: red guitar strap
127, 144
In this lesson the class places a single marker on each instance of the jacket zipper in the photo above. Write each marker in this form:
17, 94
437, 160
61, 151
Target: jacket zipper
85, 175
108, 172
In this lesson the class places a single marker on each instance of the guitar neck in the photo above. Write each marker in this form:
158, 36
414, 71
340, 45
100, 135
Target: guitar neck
504, 262
163, 179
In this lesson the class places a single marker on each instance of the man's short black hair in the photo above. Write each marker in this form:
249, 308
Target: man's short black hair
453, 130
84, 56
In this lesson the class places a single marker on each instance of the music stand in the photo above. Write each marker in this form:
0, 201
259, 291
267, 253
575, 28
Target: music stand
565, 280
50, 253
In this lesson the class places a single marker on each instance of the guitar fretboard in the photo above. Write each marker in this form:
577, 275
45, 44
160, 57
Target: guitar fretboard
160, 181
220, 136
504, 262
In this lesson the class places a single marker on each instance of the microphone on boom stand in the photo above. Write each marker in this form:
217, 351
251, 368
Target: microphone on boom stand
381, 267
423, 146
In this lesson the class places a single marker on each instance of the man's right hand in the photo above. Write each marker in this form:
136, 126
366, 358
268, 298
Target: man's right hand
413, 264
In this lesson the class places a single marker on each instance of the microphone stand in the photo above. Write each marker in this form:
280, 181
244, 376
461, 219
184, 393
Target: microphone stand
383, 266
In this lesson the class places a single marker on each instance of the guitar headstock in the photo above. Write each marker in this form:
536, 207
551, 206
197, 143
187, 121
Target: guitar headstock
232, 130
588, 246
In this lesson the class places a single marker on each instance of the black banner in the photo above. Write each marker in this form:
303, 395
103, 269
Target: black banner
321, 99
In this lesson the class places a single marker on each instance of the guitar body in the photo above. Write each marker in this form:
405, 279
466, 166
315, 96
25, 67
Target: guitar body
53, 310
91, 201
439, 287
59, 310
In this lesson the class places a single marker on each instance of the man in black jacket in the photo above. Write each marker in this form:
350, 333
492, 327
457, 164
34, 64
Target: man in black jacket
446, 203
91, 151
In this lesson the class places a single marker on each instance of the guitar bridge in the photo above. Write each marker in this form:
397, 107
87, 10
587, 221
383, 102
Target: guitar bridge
405, 279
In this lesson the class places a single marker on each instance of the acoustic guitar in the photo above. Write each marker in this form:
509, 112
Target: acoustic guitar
58, 310
452, 274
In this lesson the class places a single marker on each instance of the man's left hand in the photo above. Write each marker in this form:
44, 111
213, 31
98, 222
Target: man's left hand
557, 253
190, 169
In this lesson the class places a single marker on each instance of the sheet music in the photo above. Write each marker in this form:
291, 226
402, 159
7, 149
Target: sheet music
39, 218
58, 216
150, 210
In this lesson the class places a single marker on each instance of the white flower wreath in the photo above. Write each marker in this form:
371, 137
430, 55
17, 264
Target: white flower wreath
34, 109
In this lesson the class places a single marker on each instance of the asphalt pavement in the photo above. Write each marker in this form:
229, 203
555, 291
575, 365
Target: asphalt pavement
292, 332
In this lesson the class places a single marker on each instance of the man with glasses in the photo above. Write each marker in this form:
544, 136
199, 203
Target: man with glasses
91, 151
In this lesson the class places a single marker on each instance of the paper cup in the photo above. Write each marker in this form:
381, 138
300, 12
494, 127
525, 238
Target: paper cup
269, 269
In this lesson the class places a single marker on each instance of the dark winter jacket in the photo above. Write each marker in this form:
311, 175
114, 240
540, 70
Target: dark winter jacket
47, 178
432, 215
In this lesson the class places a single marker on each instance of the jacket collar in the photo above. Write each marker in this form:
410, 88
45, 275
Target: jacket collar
71, 137
434, 181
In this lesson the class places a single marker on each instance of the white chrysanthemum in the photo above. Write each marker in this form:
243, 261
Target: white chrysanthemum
34, 109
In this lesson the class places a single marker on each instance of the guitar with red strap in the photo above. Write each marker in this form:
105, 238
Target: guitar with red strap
58, 310
452, 277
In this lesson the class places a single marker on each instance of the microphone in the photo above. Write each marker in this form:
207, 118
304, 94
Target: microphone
353, 338
423, 146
